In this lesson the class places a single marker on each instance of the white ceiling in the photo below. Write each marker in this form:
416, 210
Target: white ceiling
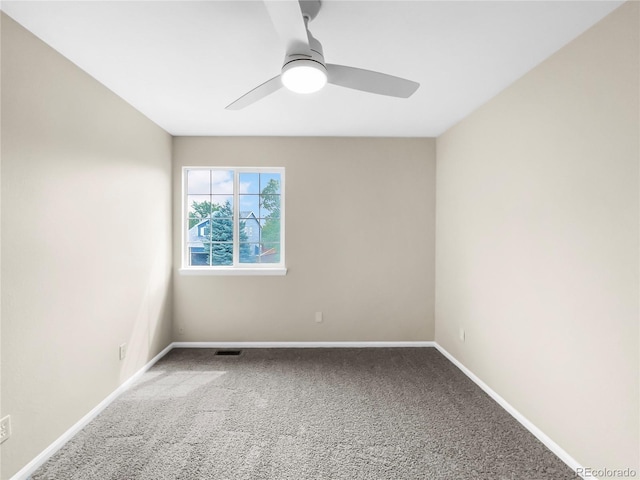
181, 62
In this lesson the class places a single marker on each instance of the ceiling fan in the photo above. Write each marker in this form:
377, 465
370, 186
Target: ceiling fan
304, 69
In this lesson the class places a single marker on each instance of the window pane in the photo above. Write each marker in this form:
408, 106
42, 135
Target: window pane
249, 204
199, 205
199, 181
270, 230
259, 253
249, 183
193, 221
250, 230
198, 254
270, 183
199, 230
269, 206
222, 237
222, 181
249, 252
270, 253
222, 253
222, 205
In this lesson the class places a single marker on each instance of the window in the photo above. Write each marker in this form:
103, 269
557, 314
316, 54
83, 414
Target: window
233, 220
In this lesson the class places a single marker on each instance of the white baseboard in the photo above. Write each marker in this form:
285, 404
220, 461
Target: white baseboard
300, 344
33, 465
539, 434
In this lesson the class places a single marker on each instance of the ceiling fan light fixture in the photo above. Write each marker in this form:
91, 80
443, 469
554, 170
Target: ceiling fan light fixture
304, 76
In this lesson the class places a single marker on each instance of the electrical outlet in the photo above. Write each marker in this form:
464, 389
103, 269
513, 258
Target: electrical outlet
318, 317
181, 330
5, 428
122, 350
461, 334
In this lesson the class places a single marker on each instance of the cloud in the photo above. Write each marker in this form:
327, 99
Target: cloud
221, 181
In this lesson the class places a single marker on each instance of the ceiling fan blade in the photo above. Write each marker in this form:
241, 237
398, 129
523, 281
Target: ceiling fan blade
258, 93
286, 16
369, 81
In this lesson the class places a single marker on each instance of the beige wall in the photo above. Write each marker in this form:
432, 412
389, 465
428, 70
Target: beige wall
537, 243
359, 244
86, 223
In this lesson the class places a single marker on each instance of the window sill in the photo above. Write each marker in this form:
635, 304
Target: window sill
271, 271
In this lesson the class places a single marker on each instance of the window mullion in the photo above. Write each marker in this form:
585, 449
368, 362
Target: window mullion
185, 220
236, 216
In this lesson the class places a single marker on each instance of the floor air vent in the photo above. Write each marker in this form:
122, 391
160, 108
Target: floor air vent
229, 353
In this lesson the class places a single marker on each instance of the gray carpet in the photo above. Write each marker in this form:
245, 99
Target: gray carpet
299, 414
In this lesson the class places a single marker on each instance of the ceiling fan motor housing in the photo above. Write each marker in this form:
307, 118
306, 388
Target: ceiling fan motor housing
313, 55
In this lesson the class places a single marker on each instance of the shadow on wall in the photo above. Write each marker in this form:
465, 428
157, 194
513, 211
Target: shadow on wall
152, 325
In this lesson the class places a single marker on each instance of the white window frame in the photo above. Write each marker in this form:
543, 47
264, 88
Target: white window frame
237, 268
